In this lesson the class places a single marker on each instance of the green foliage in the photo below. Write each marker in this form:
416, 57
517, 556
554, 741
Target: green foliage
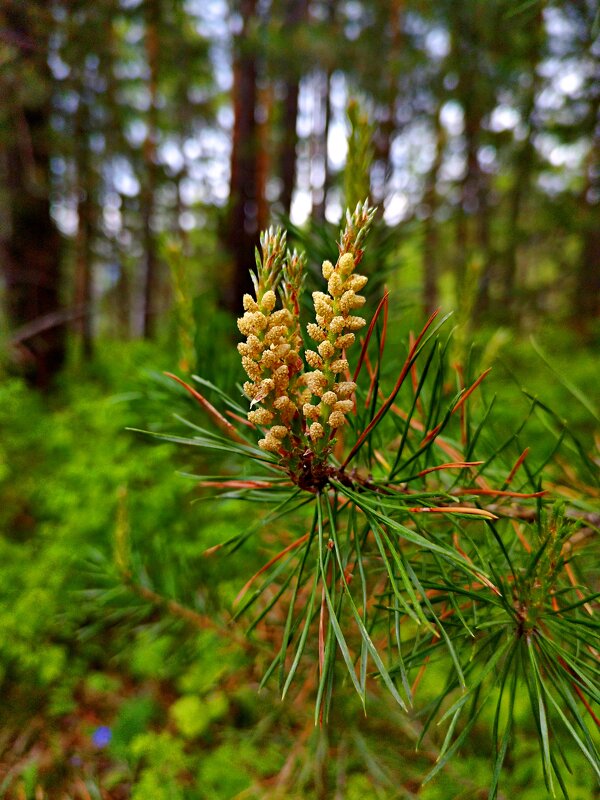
193, 715
357, 170
133, 719
439, 546
216, 777
81, 649
163, 760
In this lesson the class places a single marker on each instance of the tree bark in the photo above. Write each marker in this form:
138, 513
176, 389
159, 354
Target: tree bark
472, 226
586, 301
242, 228
85, 228
121, 303
287, 162
321, 145
30, 242
150, 178
430, 240
389, 78
320, 136
523, 166
296, 14
263, 156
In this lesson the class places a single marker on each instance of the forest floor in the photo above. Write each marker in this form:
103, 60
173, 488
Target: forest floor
104, 694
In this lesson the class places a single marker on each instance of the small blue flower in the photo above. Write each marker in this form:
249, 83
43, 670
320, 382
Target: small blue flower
101, 736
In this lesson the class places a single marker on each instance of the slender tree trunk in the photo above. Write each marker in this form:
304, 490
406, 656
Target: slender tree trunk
121, 309
587, 294
320, 144
390, 74
321, 131
122, 306
150, 179
521, 179
473, 198
263, 156
430, 239
472, 231
83, 244
296, 14
242, 229
30, 243
523, 166
287, 162
586, 302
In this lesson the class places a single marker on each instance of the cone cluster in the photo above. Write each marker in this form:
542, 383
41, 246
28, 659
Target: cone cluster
333, 332
300, 403
270, 358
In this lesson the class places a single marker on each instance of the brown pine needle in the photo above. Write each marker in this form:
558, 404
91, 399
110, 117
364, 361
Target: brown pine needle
383, 305
463, 399
451, 465
475, 512
241, 420
219, 420
518, 463
387, 404
239, 484
270, 563
502, 493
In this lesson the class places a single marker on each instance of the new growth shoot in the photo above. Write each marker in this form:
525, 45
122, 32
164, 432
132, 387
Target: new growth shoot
301, 397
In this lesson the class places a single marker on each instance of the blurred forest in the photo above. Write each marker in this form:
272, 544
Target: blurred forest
144, 144
130, 127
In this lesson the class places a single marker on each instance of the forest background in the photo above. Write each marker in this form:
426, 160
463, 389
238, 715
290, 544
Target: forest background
143, 146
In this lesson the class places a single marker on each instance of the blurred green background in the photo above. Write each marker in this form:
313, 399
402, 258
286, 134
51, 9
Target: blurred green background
143, 145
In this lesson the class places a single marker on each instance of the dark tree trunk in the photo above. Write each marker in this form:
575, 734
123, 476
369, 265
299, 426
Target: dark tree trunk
83, 245
389, 78
523, 167
430, 242
321, 139
150, 179
587, 295
296, 14
586, 302
263, 156
320, 135
121, 304
522, 173
473, 194
473, 215
242, 229
30, 242
289, 143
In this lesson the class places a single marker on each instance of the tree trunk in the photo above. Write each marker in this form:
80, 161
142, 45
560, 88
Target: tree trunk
30, 241
150, 178
321, 144
523, 166
287, 162
121, 301
430, 240
242, 230
321, 122
389, 77
296, 14
85, 228
586, 302
263, 156
472, 232
587, 295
